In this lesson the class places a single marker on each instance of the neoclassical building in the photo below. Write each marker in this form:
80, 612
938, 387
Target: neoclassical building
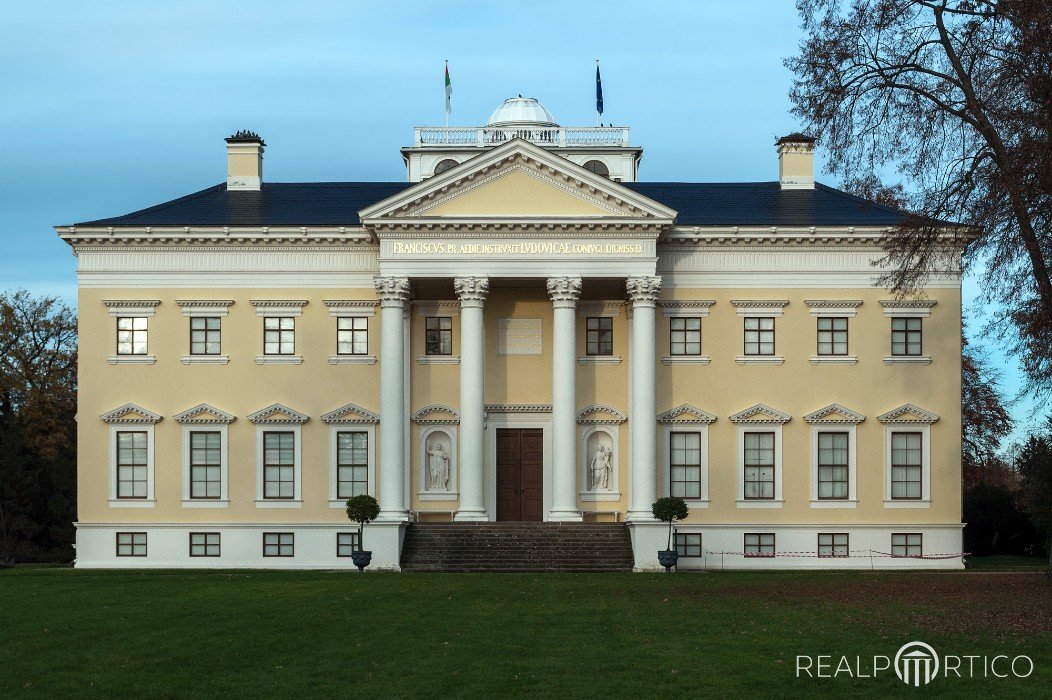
522, 330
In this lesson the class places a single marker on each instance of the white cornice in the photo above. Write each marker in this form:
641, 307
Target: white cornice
215, 235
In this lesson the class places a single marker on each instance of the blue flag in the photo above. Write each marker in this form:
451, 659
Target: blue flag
598, 90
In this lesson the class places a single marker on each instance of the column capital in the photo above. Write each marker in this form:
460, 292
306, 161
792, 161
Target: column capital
564, 289
471, 290
393, 291
643, 289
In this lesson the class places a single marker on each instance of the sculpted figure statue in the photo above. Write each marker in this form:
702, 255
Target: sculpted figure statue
600, 468
437, 467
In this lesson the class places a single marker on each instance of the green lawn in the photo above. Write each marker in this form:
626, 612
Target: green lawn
1008, 562
307, 634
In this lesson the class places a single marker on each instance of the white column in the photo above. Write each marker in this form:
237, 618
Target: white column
394, 298
472, 292
643, 292
564, 292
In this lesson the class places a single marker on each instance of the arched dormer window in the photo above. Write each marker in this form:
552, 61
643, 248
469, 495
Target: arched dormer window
444, 165
598, 167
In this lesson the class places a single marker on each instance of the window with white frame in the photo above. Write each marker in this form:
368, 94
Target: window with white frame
131, 335
759, 461
832, 544
206, 464
204, 544
907, 544
907, 465
688, 544
346, 543
352, 335
132, 464
599, 336
352, 463
438, 335
205, 335
759, 544
833, 465
685, 335
832, 335
279, 335
279, 464
131, 544
685, 464
759, 335
906, 336
279, 544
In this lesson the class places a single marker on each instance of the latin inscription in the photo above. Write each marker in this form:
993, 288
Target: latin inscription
523, 248
518, 336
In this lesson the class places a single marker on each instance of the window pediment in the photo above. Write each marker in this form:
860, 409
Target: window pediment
686, 414
130, 414
277, 414
760, 414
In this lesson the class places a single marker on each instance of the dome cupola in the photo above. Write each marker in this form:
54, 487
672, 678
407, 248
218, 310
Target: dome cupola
521, 111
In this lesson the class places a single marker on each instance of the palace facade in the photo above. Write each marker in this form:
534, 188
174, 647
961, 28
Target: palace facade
520, 331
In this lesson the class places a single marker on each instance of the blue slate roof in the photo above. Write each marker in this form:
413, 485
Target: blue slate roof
338, 204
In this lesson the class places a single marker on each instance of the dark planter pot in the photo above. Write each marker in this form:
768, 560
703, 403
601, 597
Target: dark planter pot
361, 559
668, 558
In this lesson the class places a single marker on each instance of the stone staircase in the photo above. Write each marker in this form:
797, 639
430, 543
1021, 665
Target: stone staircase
517, 547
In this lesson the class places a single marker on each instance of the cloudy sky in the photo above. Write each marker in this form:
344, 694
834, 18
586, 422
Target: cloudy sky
111, 107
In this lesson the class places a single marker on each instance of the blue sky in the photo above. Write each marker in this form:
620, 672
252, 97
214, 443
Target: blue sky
111, 107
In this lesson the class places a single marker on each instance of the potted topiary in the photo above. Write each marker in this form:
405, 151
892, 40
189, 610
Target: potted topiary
668, 510
362, 509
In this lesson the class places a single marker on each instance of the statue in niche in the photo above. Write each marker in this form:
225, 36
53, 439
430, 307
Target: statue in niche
437, 467
600, 468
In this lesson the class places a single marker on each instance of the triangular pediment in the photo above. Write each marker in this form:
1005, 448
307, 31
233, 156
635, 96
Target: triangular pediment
203, 414
834, 414
131, 414
760, 414
908, 414
686, 414
350, 414
518, 180
436, 414
600, 414
278, 415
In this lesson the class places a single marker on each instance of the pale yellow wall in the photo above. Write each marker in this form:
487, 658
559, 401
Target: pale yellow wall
517, 194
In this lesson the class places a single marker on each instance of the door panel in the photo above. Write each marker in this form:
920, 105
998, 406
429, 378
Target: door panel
509, 504
531, 470
520, 470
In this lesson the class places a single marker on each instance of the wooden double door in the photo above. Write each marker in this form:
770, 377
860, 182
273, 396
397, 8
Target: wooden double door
520, 474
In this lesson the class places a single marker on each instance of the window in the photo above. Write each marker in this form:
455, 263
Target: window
346, 542
832, 545
438, 336
279, 335
444, 165
131, 335
131, 544
759, 465
352, 465
685, 465
833, 465
907, 544
600, 335
832, 335
906, 336
759, 335
685, 336
598, 167
352, 335
204, 335
132, 466
906, 465
278, 544
759, 544
205, 464
688, 544
204, 544
279, 468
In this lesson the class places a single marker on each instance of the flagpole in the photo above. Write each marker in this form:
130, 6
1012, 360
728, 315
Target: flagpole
597, 124
447, 95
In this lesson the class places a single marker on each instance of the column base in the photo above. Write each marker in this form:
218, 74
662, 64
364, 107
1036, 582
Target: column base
565, 516
641, 516
471, 516
392, 516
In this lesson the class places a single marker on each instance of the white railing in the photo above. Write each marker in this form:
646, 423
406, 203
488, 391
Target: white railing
481, 137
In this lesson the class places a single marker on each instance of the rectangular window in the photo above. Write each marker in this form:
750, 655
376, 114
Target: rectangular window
759, 465
131, 464
832, 465
907, 544
204, 544
205, 464
204, 335
131, 335
685, 336
279, 466
131, 544
906, 465
759, 544
685, 465
352, 335
352, 464
688, 544
832, 545
279, 335
832, 336
759, 335
346, 542
278, 544
906, 336
600, 335
438, 336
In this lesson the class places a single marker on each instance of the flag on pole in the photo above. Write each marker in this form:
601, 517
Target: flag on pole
598, 90
449, 94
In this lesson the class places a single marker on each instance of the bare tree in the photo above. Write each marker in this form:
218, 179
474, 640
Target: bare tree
956, 96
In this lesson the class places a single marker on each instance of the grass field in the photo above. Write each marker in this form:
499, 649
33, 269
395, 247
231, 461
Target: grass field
307, 634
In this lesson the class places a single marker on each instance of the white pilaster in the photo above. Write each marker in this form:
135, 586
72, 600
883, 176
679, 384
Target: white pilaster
564, 293
394, 298
472, 292
643, 292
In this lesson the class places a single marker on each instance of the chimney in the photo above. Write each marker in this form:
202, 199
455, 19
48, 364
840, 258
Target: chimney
796, 162
244, 161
